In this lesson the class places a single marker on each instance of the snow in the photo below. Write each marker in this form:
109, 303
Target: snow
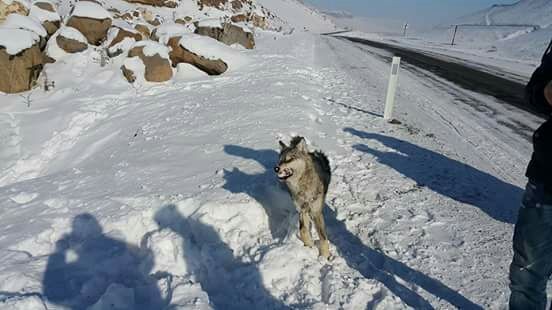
188, 72
154, 196
298, 16
213, 49
211, 23
91, 10
72, 33
166, 31
152, 48
17, 40
16, 21
44, 15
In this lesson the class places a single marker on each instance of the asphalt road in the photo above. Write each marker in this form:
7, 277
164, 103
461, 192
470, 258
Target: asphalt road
505, 90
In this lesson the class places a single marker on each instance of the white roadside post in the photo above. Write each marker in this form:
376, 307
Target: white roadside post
392, 89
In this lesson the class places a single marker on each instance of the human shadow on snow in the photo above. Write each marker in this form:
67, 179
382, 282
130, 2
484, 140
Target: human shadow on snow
229, 282
448, 177
90, 268
263, 187
378, 266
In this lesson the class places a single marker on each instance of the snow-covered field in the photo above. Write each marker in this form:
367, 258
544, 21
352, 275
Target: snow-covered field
154, 196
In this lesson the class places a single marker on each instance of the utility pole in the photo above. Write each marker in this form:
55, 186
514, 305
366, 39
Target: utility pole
454, 35
404, 30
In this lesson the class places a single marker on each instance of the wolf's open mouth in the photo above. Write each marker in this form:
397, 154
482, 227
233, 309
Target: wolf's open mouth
286, 174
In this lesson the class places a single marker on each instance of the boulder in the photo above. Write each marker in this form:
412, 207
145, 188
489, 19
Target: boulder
92, 20
13, 7
122, 40
154, 56
125, 33
129, 75
258, 20
143, 29
240, 18
158, 3
46, 13
71, 40
20, 62
228, 34
180, 54
212, 3
184, 21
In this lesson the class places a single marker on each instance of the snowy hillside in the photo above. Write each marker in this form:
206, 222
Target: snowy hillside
529, 12
299, 16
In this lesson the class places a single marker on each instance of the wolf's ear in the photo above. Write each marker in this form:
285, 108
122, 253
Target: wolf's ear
282, 145
302, 146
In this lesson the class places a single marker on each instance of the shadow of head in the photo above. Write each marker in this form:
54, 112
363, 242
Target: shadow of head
446, 176
264, 187
89, 268
229, 282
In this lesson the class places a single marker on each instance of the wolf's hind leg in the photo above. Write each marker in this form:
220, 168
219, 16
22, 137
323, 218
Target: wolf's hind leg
321, 229
304, 229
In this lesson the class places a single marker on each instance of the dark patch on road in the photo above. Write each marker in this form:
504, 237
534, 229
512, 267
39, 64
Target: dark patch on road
505, 90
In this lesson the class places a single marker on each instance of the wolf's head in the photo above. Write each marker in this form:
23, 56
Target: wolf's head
293, 159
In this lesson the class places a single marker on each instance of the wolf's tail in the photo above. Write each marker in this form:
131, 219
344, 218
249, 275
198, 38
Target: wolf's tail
324, 163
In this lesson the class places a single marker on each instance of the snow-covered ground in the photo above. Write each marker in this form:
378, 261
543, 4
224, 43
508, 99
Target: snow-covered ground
116, 197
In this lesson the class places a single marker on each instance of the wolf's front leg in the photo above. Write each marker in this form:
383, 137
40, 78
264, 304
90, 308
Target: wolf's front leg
324, 250
304, 228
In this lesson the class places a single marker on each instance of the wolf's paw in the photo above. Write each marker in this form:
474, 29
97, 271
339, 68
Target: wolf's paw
324, 250
308, 243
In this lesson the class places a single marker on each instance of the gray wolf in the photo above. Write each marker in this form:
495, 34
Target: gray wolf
307, 176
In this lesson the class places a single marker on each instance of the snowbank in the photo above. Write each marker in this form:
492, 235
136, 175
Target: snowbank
16, 21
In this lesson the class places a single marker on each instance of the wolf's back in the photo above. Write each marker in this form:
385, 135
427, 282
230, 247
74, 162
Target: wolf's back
322, 160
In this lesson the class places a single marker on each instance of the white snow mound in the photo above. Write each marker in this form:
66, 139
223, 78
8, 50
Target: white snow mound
17, 40
90, 10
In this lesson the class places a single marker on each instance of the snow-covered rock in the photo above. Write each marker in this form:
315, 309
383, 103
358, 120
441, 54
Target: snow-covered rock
155, 59
8, 7
92, 20
181, 53
46, 13
20, 59
228, 34
16, 21
71, 40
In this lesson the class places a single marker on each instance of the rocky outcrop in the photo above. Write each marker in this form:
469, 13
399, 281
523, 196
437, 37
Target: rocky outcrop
91, 20
19, 72
14, 7
158, 3
180, 54
229, 34
157, 67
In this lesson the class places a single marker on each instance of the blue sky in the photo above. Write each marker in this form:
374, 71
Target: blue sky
414, 11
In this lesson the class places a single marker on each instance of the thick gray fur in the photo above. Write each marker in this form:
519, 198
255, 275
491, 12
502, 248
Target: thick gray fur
307, 176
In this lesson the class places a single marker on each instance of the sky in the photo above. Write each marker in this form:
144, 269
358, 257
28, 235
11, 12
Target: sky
427, 12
